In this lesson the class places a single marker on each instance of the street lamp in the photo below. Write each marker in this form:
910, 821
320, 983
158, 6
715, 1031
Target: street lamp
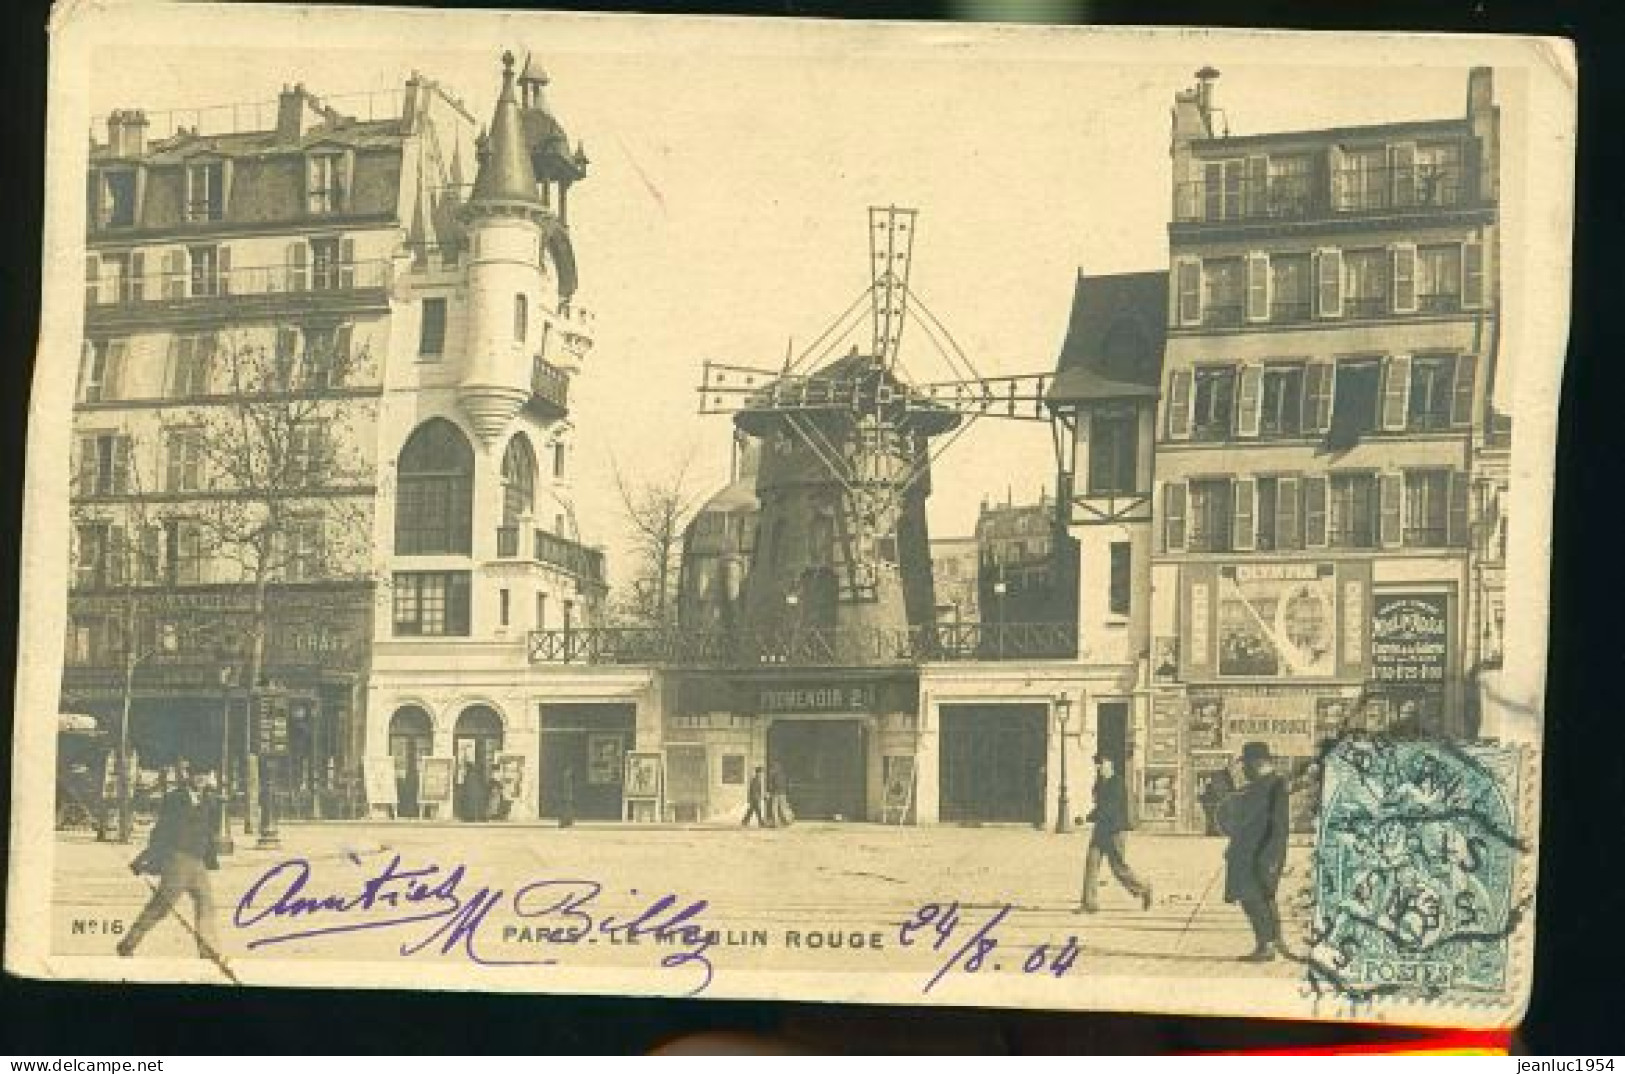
223, 841
1063, 806
999, 589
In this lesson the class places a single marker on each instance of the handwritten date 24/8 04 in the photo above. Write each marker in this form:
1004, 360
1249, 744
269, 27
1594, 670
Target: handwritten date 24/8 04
973, 948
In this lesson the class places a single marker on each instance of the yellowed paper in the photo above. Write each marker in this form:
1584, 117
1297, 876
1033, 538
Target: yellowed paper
1041, 517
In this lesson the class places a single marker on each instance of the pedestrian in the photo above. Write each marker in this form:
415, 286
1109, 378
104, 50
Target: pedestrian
1257, 818
755, 793
1214, 790
181, 851
1110, 820
778, 798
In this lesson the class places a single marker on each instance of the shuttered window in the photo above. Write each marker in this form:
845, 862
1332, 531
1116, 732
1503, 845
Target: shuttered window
1173, 516
1329, 283
1461, 407
1189, 291
1404, 276
1396, 392
1245, 527
1258, 287
1179, 404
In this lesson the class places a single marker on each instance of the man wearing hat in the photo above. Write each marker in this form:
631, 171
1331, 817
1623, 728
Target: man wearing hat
182, 852
1257, 818
1110, 819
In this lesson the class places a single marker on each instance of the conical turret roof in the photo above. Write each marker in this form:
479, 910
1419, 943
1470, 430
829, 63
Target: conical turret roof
505, 174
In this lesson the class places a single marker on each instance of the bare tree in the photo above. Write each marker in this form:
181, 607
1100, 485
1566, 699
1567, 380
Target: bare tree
656, 513
290, 498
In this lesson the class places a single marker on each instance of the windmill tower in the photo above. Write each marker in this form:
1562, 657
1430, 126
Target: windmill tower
846, 446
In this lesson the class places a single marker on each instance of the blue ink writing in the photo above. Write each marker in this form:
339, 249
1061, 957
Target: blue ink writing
971, 955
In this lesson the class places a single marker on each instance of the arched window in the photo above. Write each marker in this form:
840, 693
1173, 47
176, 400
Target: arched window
518, 480
435, 503
521, 317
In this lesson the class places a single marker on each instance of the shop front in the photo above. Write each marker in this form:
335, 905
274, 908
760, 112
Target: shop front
583, 759
993, 763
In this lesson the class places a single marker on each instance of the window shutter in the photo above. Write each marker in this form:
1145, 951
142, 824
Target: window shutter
1404, 277
93, 280
298, 278
1458, 509
1245, 528
172, 364
1258, 287
123, 453
1256, 198
313, 180
227, 168
346, 182
176, 274
1461, 399
138, 276
1213, 190
1396, 391
1179, 404
1391, 488
1314, 512
1329, 283
1249, 399
118, 555
1402, 172
87, 366
342, 341
1320, 385
1173, 516
113, 371
346, 263
1190, 291
172, 463
1472, 275
87, 465
1288, 519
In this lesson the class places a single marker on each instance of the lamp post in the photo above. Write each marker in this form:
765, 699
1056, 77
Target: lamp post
999, 589
1063, 804
223, 841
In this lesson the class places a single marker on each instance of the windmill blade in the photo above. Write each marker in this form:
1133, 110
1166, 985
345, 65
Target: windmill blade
1019, 396
891, 251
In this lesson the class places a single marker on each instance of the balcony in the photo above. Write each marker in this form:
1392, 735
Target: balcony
586, 564
1419, 188
1365, 306
549, 387
806, 647
340, 285
1225, 315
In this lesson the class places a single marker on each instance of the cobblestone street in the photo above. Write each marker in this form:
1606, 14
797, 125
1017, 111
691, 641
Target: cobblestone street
814, 897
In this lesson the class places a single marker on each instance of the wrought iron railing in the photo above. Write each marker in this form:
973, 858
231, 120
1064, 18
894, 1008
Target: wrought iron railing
555, 551
549, 383
115, 289
1224, 315
806, 647
1302, 196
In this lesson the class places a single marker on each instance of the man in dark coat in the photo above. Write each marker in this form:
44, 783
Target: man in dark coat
1110, 820
757, 794
182, 852
1257, 819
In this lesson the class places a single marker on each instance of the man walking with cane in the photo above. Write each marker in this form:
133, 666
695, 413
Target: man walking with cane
1110, 818
182, 852
1257, 819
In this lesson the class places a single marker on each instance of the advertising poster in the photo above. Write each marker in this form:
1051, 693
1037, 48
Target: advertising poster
1410, 635
603, 759
1207, 723
1160, 795
1278, 620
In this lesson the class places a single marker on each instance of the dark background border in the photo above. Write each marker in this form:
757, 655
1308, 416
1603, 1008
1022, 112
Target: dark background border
1579, 955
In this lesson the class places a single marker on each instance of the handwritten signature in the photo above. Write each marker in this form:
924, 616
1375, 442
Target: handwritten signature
971, 955
452, 909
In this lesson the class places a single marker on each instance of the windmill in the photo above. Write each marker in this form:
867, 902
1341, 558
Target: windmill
847, 444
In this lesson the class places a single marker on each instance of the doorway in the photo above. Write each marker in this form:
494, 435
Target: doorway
411, 738
584, 750
824, 766
475, 743
993, 763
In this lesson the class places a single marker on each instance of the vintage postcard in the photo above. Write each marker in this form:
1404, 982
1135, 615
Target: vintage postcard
904, 513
